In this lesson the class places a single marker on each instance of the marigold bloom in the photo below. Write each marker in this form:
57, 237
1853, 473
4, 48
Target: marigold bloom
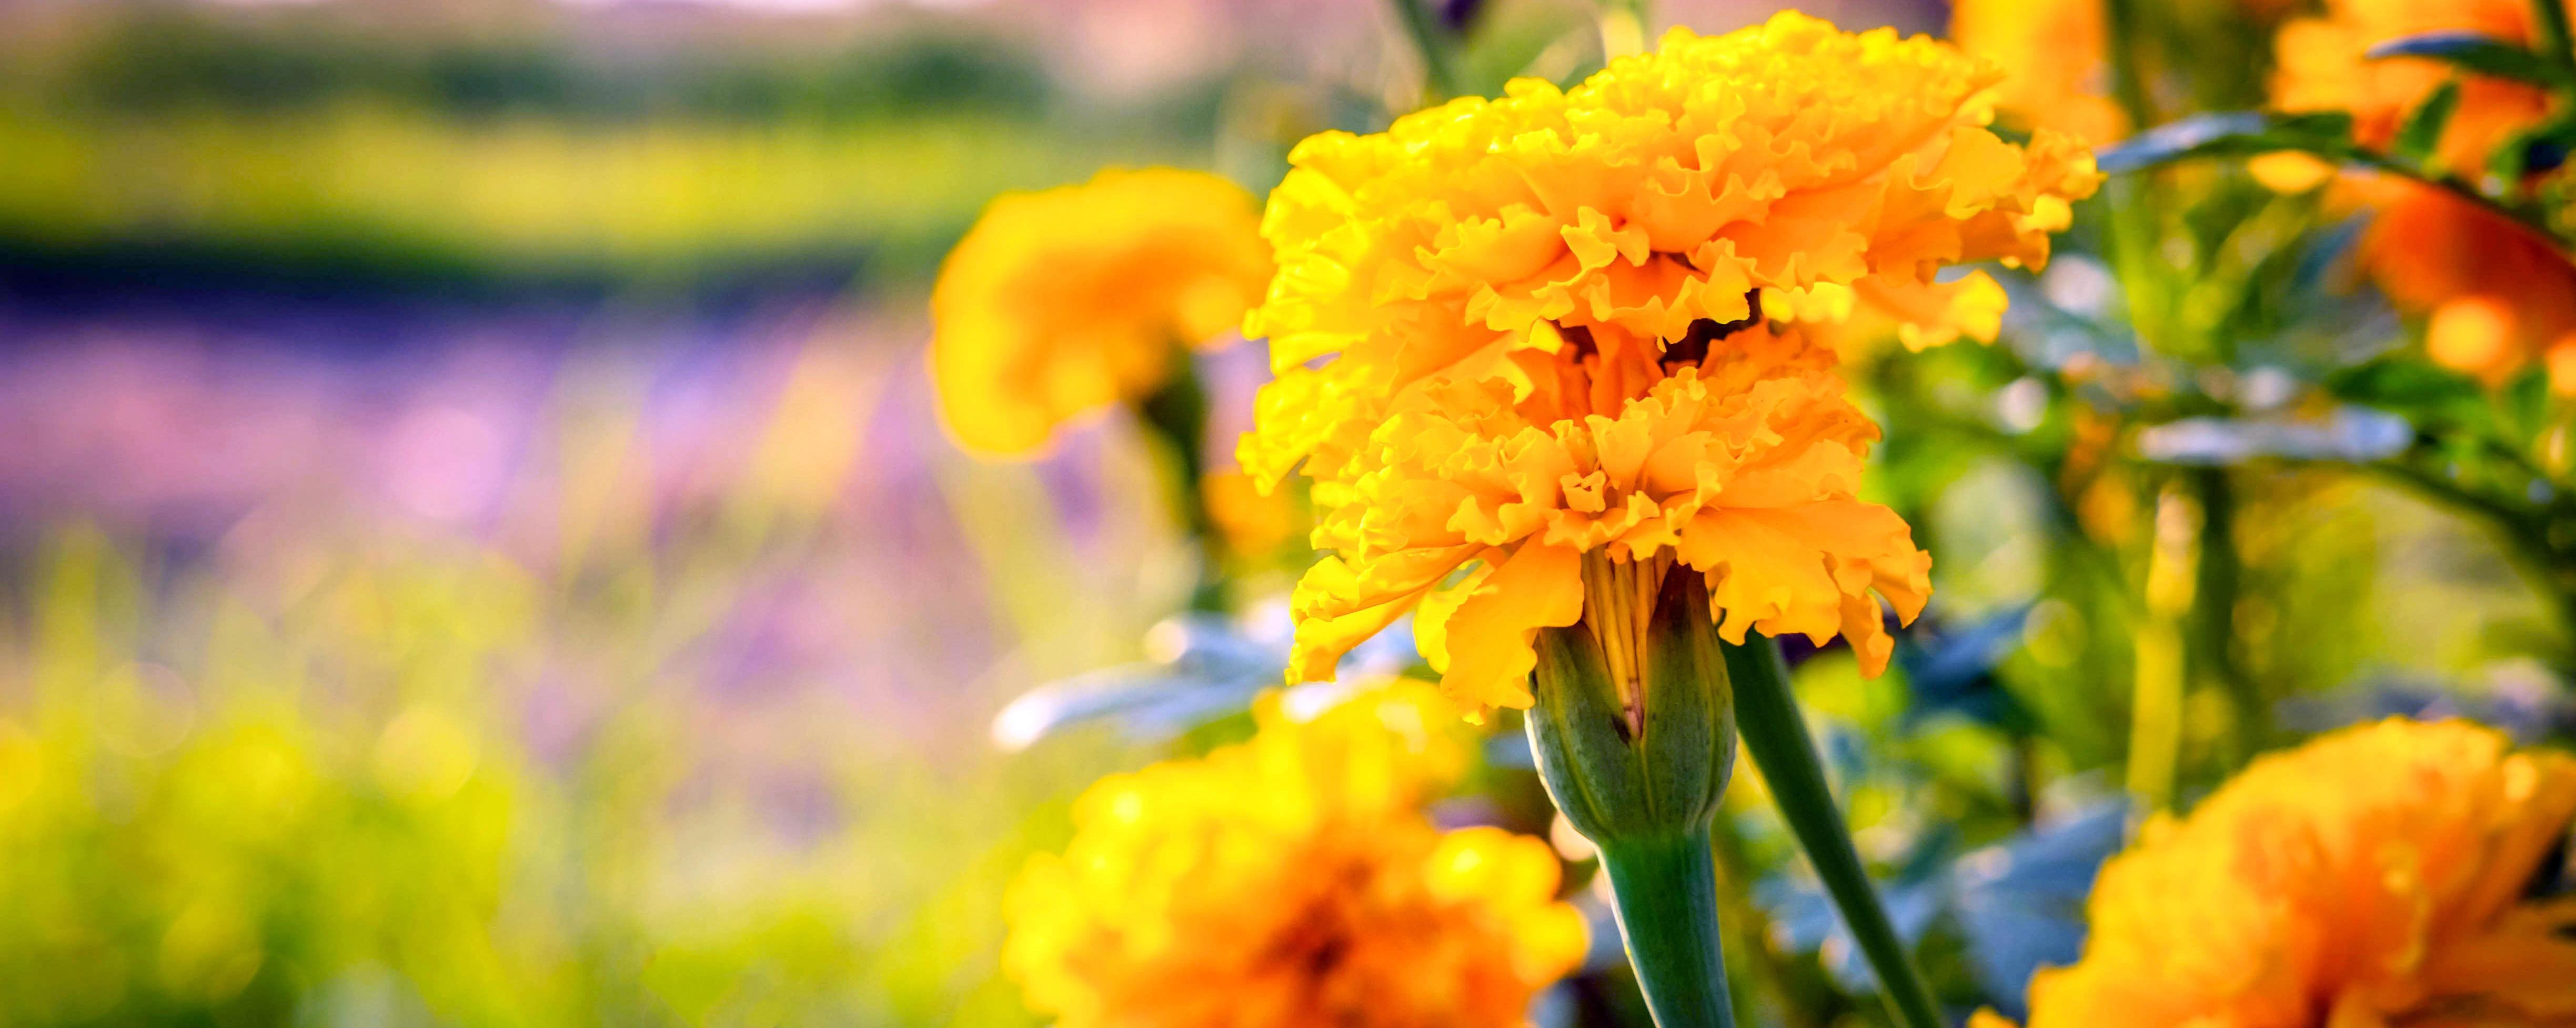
2374, 877
2496, 296
2052, 53
1066, 301
1291, 881
1528, 335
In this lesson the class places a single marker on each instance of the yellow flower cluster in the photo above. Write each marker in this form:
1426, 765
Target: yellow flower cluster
1067, 301
1530, 333
1292, 881
2497, 297
2372, 878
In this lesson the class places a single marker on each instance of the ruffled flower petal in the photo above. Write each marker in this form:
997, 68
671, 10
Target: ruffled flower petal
2372, 877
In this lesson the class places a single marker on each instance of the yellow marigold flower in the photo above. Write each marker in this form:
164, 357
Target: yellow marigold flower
1292, 881
1063, 302
1530, 335
2495, 296
1742, 467
2052, 54
2372, 878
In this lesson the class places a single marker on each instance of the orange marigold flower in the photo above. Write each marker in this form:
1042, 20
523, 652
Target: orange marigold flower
1529, 335
2496, 296
2321, 66
2053, 55
1291, 881
2371, 878
1064, 302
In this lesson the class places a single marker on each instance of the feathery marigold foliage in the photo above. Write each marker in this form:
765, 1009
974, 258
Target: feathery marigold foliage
2497, 297
1067, 301
2373, 877
1530, 333
1293, 880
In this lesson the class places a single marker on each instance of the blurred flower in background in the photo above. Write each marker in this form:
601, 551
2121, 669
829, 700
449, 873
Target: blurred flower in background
2497, 297
1062, 303
1293, 880
2394, 873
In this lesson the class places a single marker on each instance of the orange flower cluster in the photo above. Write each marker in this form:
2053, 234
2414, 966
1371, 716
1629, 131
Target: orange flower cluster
2373, 878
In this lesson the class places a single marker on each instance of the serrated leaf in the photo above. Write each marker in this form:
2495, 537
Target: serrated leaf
2423, 129
2236, 134
2477, 52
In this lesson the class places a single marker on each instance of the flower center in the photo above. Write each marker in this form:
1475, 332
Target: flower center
1692, 347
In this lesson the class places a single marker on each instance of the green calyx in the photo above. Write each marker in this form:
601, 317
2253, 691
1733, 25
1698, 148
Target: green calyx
1635, 738
1634, 734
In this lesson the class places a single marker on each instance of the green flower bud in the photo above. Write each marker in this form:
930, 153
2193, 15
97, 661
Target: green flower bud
1634, 728
1634, 734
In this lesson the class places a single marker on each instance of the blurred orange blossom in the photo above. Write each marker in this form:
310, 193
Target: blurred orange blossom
1293, 880
2373, 877
1067, 301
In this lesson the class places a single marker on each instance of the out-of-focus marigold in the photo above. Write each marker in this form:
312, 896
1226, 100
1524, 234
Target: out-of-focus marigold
2374, 877
1070, 300
2052, 53
2496, 296
1290, 881
1531, 335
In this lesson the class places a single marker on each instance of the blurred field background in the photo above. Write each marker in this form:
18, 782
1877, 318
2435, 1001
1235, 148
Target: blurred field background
475, 547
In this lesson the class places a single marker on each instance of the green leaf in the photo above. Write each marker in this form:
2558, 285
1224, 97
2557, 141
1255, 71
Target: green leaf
2476, 52
2423, 129
2410, 385
2236, 134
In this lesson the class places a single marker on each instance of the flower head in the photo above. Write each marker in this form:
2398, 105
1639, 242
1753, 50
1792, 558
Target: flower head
2373, 877
2053, 55
2496, 297
1293, 880
1530, 339
1063, 302
1742, 468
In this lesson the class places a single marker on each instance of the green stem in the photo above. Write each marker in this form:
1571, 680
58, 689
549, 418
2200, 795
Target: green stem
1665, 892
2219, 581
2549, 24
1775, 733
2128, 80
1439, 62
1177, 414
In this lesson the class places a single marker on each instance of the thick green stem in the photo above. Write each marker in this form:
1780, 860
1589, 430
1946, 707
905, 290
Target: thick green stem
1775, 733
2219, 582
1665, 889
1177, 415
